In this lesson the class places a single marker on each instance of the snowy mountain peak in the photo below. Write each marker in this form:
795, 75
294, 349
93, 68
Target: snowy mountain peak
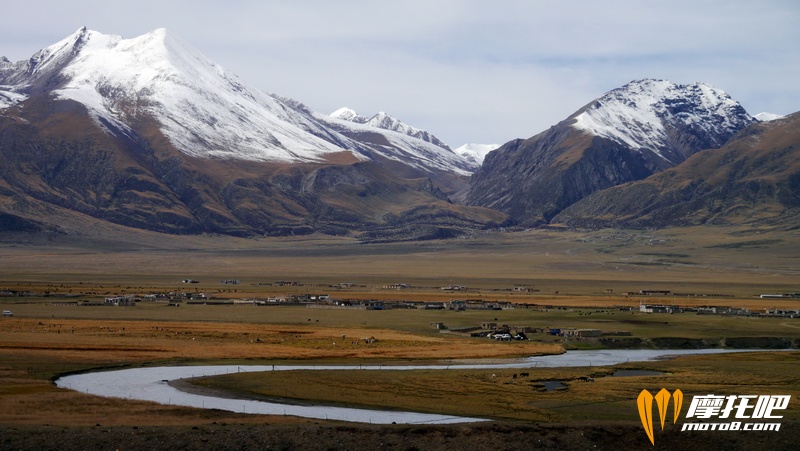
643, 114
767, 117
57, 53
347, 114
475, 153
384, 121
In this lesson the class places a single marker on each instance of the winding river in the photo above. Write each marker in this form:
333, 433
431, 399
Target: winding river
152, 384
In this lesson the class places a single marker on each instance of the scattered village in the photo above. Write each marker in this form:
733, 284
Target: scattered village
326, 300
501, 332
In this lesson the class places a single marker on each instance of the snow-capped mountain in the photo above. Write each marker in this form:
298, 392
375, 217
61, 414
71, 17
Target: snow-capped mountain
398, 141
753, 180
628, 134
645, 115
202, 109
767, 117
475, 152
347, 114
149, 133
386, 122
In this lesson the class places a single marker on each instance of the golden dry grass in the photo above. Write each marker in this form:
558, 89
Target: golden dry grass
115, 341
34, 350
25, 401
504, 394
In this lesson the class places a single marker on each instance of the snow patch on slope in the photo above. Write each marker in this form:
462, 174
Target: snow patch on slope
9, 97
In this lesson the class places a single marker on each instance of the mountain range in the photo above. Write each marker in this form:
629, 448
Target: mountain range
148, 133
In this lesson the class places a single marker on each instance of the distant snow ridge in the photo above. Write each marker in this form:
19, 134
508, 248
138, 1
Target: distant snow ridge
475, 152
641, 114
403, 143
386, 122
766, 117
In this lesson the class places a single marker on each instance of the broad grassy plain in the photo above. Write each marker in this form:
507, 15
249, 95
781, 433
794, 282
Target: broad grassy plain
579, 279
741, 262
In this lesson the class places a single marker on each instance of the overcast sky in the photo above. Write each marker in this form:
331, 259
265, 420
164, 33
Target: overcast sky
467, 71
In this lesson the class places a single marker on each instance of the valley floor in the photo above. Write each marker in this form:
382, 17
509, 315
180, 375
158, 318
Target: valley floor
558, 278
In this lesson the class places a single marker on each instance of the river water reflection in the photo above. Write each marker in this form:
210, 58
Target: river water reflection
152, 384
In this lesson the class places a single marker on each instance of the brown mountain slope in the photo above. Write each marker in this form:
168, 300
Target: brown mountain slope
53, 155
534, 179
754, 179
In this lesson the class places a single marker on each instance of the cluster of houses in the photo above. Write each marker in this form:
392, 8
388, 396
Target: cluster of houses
171, 298
28, 294
454, 288
719, 310
325, 301
781, 296
504, 332
15, 293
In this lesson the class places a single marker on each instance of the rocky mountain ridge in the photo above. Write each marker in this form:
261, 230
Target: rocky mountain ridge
628, 134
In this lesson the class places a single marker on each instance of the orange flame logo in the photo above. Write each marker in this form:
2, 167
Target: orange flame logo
645, 404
